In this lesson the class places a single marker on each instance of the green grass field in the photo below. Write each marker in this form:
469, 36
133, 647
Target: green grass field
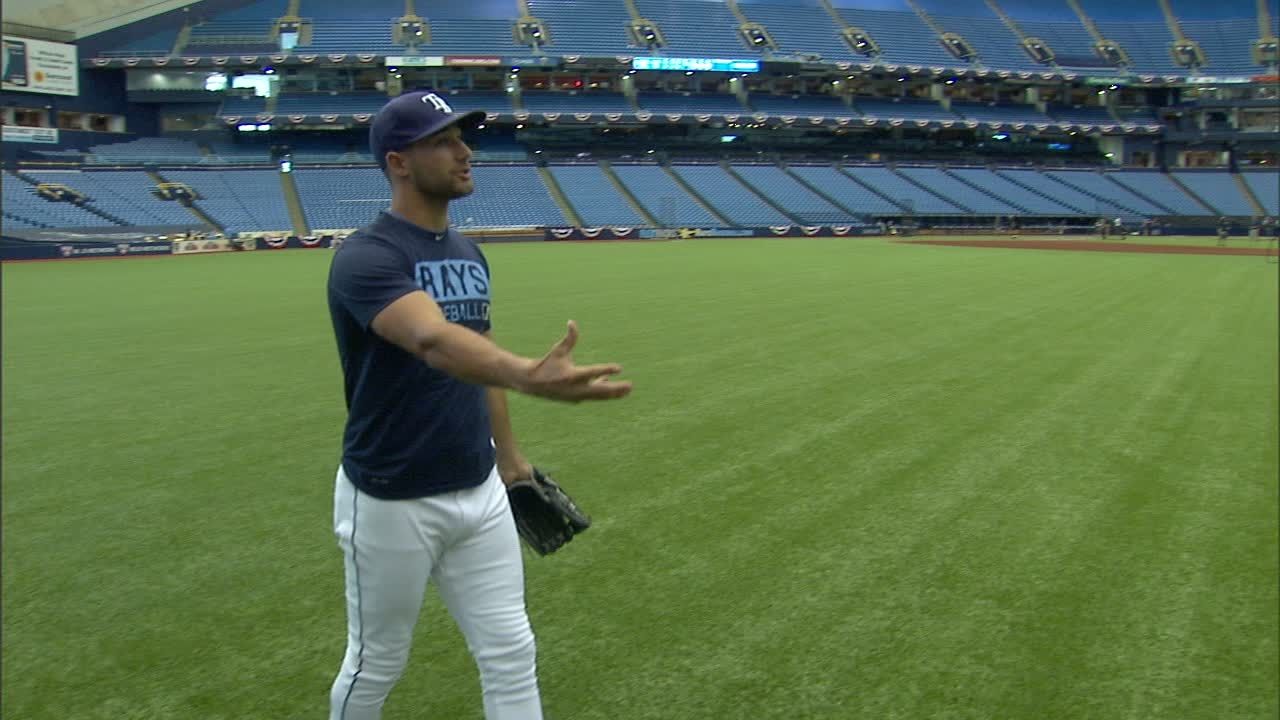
857, 479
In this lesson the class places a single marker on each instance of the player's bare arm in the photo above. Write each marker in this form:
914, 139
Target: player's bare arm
512, 465
416, 324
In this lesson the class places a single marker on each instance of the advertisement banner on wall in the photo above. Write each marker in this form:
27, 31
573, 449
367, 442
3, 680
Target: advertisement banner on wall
39, 66
13, 133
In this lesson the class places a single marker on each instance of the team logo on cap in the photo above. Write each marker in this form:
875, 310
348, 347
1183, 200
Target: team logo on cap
437, 102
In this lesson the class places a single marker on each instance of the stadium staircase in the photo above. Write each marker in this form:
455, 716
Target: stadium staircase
984, 191
1248, 193
607, 169
190, 205
870, 188
1086, 191
1149, 198
183, 37
557, 194
294, 202
1092, 27
931, 191
1037, 191
1210, 210
817, 190
697, 197
752, 189
938, 30
86, 205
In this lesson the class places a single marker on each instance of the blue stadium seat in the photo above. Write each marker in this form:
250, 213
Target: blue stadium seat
125, 194
22, 202
594, 197
590, 28
903, 108
241, 200
1032, 203
957, 192
1158, 187
1265, 185
1006, 114
1080, 115
903, 37
147, 150
666, 201
802, 26
1043, 185
1095, 185
597, 103
716, 104
789, 194
912, 198
844, 190
341, 198
1217, 188
996, 45
507, 196
696, 28
801, 105
728, 196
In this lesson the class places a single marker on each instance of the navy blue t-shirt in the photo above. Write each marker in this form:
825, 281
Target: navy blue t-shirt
411, 430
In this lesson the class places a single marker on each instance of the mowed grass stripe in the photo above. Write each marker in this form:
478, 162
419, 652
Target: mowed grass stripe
856, 479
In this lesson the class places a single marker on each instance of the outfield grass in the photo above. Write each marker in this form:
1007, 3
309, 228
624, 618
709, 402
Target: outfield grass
857, 479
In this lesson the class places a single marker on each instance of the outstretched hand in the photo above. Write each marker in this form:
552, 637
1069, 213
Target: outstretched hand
556, 377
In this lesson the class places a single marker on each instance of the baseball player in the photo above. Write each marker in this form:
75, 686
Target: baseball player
428, 444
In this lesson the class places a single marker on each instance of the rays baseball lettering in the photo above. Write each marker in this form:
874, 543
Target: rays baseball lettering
460, 287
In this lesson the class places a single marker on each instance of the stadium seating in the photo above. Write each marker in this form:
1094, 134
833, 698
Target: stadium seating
1123, 195
1146, 42
717, 104
325, 103
800, 26
243, 106
1095, 185
1218, 189
1041, 184
160, 43
487, 100
1226, 44
904, 108
790, 194
22, 203
125, 194
1070, 41
545, 101
337, 198
1084, 115
996, 45
591, 28
1265, 185
728, 197
802, 105
246, 28
240, 200
147, 150
1015, 194
595, 199
903, 37
696, 28
1160, 188
666, 201
1005, 114
956, 192
844, 190
507, 196
911, 197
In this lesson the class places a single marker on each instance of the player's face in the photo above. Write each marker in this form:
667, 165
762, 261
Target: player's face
440, 165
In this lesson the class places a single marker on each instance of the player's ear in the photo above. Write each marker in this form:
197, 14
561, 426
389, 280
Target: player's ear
397, 164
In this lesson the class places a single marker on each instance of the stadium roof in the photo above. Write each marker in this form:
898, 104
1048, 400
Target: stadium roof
81, 18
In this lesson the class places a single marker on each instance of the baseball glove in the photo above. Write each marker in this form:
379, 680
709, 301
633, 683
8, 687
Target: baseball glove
546, 517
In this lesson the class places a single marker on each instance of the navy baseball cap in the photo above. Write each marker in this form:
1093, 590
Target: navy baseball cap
411, 117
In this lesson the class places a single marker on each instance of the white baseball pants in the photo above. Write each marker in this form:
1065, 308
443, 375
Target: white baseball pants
466, 543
